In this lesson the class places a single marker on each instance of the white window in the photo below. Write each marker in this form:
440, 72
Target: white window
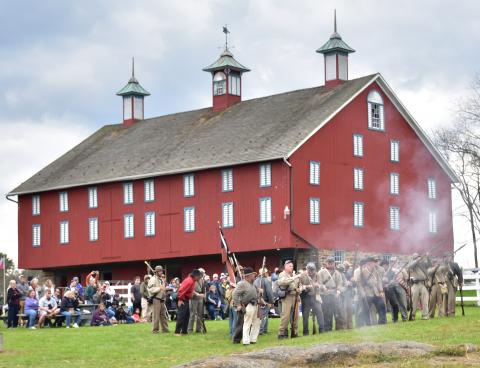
266, 210
227, 180
227, 214
314, 173
219, 84
36, 205
331, 67
358, 214
314, 210
188, 185
394, 218
64, 233
265, 175
93, 228
149, 189
128, 230
432, 222
63, 201
339, 256
432, 188
358, 145
376, 119
358, 178
127, 107
138, 107
394, 184
149, 223
92, 197
394, 151
189, 219
128, 193
234, 84
386, 256
36, 232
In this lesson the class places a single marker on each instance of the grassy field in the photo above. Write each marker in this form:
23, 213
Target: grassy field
136, 346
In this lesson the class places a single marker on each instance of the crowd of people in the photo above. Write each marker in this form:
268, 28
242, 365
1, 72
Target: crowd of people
336, 296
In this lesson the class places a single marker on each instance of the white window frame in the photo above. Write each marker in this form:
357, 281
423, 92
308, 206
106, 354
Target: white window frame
36, 235
395, 184
36, 205
92, 197
358, 145
149, 190
394, 150
234, 84
227, 180
93, 229
64, 232
432, 188
394, 218
358, 178
375, 107
219, 84
188, 185
386, 257
227, 214
314, 206
265, 206
265, 175
189, 219
150, 223
339, 256
63, 201
314, 173
128, 193
358, 214
128, 226
432, 222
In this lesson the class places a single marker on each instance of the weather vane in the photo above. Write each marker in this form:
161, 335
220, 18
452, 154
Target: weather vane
226, 31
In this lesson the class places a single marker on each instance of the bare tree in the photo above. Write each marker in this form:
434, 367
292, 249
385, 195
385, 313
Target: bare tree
460, 144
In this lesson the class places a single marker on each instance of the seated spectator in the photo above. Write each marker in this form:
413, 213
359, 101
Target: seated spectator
58, 295
90, 291
68, 307
48, 285
212, 301
93, 275
35, 287
79, 288
136, 315
47, 307
31, 308
100, 317
13, 300
122, 316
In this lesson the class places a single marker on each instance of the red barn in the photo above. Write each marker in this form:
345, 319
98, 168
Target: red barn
322, 169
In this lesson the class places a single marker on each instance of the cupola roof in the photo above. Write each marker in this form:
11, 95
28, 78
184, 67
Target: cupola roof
133, 87
335, 43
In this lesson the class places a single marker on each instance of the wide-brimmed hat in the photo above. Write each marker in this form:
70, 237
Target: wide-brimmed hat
158, 268
330, 260
248, 271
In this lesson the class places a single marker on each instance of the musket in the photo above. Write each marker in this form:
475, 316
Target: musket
259, 312
410, 314
149, 267
295, 304
462, 246
461, 296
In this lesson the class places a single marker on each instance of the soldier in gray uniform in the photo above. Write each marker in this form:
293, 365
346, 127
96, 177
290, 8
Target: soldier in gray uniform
370, 289
437, 279
331, 284
349, 294
310, 297
290, 284
418, 273
263, 282
396, 289
454, 279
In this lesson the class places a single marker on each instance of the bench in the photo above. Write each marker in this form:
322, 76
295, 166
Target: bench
58, 319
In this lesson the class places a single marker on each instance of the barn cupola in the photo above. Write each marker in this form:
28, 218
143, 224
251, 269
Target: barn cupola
133, 95
335, 52
226, 78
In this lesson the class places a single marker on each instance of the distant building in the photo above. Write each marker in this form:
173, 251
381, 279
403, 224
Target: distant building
319, 169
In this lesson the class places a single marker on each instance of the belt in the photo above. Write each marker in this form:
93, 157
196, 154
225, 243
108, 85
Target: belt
418, 281
161, 300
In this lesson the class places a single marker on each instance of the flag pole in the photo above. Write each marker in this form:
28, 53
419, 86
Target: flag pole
4, 285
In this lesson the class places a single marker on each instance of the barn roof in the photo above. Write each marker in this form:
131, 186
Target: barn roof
256, 130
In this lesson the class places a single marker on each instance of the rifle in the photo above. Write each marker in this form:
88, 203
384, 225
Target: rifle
462, 246
461, 300
204, 291
259, 312
149, 267
295, 304
410, 314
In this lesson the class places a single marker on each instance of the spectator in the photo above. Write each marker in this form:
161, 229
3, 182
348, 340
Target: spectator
47, 307
100, 317
213, 301
13, 300
35, 287
68, 307
79, 288
49, 285
31, 308
136, 316
90, 291
58, 295
92, 275
122, 316
146, 306
232, 311
219, 290
274, 275
110, 291
136, 294
22, 286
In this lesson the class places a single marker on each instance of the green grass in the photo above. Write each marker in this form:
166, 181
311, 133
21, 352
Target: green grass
136, 346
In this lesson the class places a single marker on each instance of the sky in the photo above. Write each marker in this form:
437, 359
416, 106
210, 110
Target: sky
61, 63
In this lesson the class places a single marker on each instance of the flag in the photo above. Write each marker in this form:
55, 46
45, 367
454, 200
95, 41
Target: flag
2, 263
228, 258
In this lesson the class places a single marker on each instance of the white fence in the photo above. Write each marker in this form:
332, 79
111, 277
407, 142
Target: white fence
124, 292
471, 281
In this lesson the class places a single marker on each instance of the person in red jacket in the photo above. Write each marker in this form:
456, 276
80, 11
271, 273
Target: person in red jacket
184, 296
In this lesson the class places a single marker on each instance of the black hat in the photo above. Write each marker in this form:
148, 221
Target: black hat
196, 273
248, 271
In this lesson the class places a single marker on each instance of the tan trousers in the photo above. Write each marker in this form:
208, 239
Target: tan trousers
196, 315
286, 315
146, 310
420, 294
437, 299
159, 316
451, 299
251, 325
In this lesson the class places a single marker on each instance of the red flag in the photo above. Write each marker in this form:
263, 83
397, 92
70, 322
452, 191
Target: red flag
228, 258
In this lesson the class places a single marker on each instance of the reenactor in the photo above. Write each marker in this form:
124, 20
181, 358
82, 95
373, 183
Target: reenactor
370, 290
417, 270
289, 284
263, 283
349, 294
396, 289
341, 324
197, 305
311, 299
379, 274
157, 291
454, 280
331, 287
437, 280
